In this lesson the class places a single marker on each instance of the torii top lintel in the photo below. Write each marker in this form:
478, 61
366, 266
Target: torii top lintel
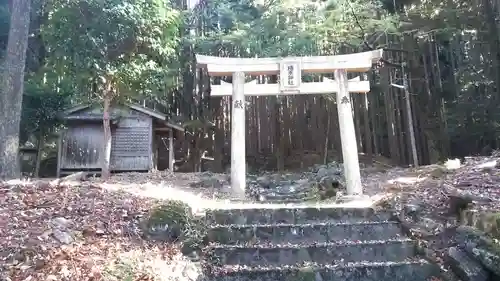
357, 62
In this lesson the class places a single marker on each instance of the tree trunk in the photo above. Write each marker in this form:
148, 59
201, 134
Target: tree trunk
367, 129
39, 151
374, 109
357, 122
11, 89
278, 136
107, 133
219, 136
411, 129
327, 134
389, 112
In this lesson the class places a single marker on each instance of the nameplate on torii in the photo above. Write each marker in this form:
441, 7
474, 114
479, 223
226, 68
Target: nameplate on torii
328, 86
290, 77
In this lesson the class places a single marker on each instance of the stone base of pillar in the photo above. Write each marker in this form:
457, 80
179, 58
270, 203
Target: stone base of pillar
238, 194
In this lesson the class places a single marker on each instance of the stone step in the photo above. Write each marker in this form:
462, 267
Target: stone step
284, 198
290, 254
298, 214
465, 267
286, 201
303, 233
281, 190
283, 194
410, 270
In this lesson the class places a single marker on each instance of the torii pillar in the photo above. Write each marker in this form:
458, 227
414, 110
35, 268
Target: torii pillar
238, 135
290, 70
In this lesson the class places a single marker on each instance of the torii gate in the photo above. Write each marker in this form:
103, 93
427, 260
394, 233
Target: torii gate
290, 71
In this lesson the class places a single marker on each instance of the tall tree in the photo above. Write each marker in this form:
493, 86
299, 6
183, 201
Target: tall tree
4, 26
11, 89
112, 50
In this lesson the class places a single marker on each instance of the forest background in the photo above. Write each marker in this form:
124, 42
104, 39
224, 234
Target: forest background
99, 51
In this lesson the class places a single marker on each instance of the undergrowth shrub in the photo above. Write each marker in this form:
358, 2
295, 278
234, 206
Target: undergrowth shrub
174, 221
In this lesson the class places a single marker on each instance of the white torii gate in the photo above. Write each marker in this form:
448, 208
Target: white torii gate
290, 71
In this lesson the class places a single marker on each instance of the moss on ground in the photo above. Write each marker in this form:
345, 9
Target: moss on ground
304, 274
326, 189
488, 222
173, 221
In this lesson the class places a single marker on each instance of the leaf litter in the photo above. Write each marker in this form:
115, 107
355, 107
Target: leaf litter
77, 233
425, 199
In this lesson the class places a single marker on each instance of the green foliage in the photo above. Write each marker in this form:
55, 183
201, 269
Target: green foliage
123, 270
351, 21
304, 274
174, 221
4, 25
42, 103
325, 189
137, 44
129, 44
285, 29
173, 214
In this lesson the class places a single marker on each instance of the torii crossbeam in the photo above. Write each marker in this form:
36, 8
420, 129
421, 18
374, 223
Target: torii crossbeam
290, 71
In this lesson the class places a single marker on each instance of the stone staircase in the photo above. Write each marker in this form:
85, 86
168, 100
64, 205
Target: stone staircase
304, 243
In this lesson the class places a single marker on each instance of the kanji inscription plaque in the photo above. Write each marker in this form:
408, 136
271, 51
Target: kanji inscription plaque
290, 76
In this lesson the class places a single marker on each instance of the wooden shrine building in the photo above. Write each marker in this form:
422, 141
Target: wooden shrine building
140, 139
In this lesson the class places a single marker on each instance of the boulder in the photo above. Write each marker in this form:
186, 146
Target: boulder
464, 266
481, 247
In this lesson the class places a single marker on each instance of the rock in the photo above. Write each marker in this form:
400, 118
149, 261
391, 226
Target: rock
61, 229
207, 174
288, 188
412, 210
337, 170
191, 272
465, 267
264, 181
467, 234
302, 182
293, 177
326, 182
61, 223
62, 236
276, 177
213, 183
457, 203
488, 259
432, 225
328, 188
333, 169
481, 247
322, 172
297, 187
75, 177
208, 182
